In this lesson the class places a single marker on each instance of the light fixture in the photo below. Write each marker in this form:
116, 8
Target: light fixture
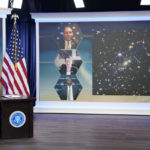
3, 3
17, 4
79, 3
145, 2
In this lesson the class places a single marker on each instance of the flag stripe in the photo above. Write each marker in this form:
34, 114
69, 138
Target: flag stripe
24, 73
18, 87
4, 84
8, 80
21, 79
11, 76
22, 63
11, 69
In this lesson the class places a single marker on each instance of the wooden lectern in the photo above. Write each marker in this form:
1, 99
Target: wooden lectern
16, 117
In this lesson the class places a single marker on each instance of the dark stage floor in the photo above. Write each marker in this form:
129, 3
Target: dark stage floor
85, 132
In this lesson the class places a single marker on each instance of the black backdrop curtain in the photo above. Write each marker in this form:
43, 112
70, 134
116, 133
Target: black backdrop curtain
26, 28
50, 6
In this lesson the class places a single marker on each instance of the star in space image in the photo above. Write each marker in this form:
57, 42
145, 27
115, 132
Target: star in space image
121, 61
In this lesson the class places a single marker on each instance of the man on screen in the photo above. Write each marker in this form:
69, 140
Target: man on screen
69, 91
68, 43
69, 67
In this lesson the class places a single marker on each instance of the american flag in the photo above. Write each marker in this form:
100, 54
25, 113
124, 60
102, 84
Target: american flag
14, 82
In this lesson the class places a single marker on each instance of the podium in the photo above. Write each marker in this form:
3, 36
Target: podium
16, 117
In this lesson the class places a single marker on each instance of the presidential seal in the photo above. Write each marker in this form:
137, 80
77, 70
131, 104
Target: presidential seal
17, 119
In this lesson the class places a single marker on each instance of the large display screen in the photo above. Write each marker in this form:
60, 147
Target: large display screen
91, 60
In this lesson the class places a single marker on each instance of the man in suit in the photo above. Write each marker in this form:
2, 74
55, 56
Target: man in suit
68, 68
68, 43
69, 91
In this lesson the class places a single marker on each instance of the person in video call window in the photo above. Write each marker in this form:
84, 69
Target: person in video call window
69, 91
68, 43
68, 68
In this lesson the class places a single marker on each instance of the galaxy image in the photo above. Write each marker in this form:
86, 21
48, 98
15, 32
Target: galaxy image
121, 59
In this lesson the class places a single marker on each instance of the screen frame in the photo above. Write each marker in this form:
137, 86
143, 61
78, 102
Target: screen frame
87, 107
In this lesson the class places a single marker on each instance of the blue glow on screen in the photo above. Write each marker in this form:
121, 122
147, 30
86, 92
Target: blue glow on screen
95, 19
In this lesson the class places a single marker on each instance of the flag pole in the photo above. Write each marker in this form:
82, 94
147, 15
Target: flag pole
15, 17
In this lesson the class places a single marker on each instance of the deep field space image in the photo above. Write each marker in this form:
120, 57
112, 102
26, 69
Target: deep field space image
121, 60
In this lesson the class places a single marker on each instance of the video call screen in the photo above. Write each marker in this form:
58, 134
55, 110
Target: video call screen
105, 58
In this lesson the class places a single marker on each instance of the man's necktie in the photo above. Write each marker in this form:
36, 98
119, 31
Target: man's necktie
69, 93
68, 45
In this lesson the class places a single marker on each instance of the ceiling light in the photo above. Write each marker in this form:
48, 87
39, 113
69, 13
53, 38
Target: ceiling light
17, 4
145, 2
79, 3
3, 3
